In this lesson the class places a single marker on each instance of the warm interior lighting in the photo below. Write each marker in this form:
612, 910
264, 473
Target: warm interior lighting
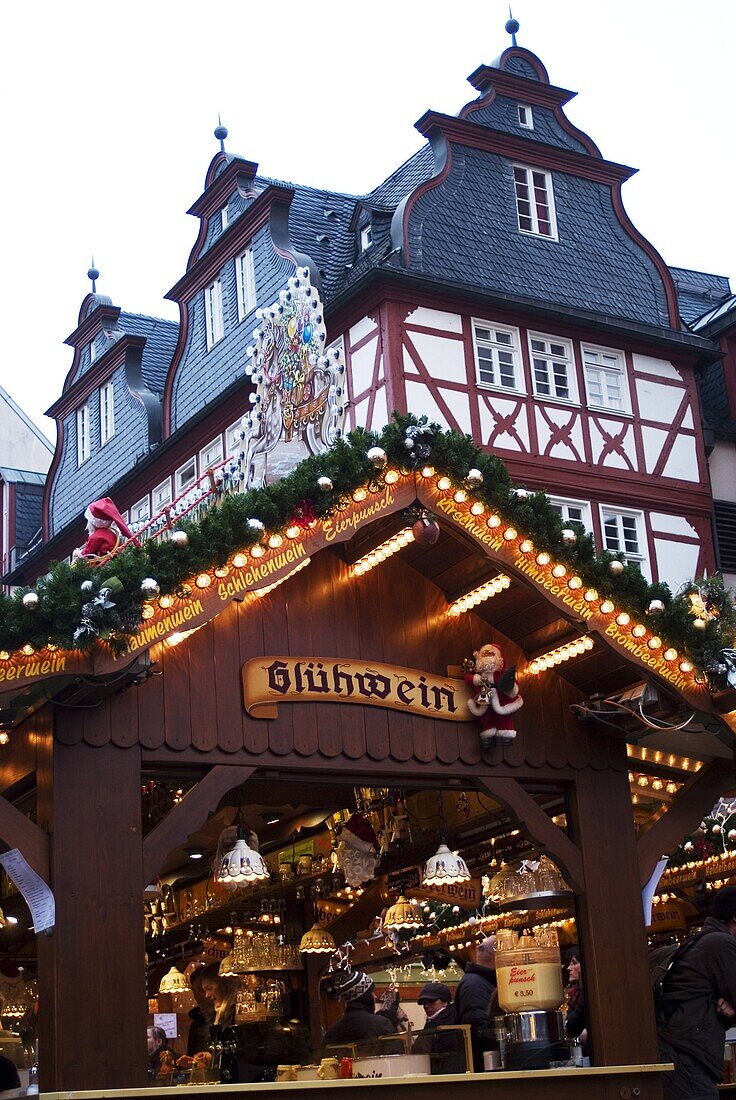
239, 560
590, 595
558, 570
317, 941
561, 653
257, 551
174, 982
444, 484
391, 477
543, 558
274, 541
260, 592
382, 551
204, 580
427, 471
493, 522
404, 916
607, 607
477, 509
477, 595
165, 601
179, 636
638, 630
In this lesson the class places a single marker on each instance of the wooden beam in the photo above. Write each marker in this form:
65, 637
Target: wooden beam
18, 831
538, 826
188, 815
687, 808
358, 915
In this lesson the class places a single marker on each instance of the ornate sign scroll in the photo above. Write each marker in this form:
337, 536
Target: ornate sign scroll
268, 681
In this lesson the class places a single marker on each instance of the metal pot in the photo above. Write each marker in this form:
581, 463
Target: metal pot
535, 1027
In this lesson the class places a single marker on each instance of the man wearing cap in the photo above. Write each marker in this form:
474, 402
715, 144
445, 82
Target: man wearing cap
698, 999
360, 1024
446, 1048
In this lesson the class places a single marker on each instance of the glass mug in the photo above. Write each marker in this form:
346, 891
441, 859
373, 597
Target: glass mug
286, 1073
329, 1069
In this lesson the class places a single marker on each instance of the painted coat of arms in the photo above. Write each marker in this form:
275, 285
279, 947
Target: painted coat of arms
298, 404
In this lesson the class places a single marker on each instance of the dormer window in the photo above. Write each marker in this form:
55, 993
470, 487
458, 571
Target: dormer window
213, 313
524, 114
224, 218
83, 451
535, 205
366, 237
107, 413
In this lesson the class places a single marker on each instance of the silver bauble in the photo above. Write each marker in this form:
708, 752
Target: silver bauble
325, 484
377, 457
656, 607
568, 535
616, 567
150, 588
180, 538
474, 478
86, 586
256, 525
30, 601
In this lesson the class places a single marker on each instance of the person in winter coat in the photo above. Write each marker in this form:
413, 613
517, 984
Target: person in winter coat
474, 999
360, 1023
698, 1005
576, 1019
446, 1048
203, 1013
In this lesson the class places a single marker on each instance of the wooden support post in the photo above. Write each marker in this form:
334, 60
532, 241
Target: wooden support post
538, 826
610, 918
18, 831
92, 990
686, 810
188, 815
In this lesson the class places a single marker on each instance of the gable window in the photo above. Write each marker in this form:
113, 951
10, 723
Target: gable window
83, 450
245, 278
211, 455
497, 355
107, 413
185, 476
623, 532
224, 218
605, 379
524, 114
572, 511
366, 237
161, 496
535, 207
93, 350
213, 313
140, 513
553, 372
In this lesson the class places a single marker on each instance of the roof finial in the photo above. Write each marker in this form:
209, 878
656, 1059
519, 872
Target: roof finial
221, 133
512, 26
94, 275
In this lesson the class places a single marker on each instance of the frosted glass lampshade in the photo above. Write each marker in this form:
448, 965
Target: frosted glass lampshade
445, 868
241, 863
174, 982
317, 941
403, 916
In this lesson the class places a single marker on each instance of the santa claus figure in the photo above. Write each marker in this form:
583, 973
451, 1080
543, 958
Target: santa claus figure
105, 525
495, 695
357, 853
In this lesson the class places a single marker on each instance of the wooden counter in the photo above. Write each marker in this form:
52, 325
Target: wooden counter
597, 1083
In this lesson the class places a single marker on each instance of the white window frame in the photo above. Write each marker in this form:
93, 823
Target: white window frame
531, 181
182, 479
565, 504
525, 116
140, 512
224, 218
607, 371
233, 441
83, 445
366, 237
107, 412
641, 556
211, 455
213, 319
92, 350
161, 496
245, 279
552, 358
494, 345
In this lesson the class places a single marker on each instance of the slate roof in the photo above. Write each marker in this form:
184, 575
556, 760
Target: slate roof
698, 291
161, 337
712, 380
12, 476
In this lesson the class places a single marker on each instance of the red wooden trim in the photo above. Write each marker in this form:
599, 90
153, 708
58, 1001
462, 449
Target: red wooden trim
435, 181
443, 334
92, 324
433, 388
215, 193
672, 434
554, 158
504, 83
631, 386
651, 251
50, 477
378, 359
364, 339
181, 344
651, 549
485, 74
470, 373
92, 379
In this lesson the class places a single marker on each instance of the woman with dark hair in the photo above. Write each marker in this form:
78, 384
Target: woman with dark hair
576, 1020
221, 993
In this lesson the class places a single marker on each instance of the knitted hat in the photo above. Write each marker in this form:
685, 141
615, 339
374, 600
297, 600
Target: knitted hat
724, 903
348, 985
358, 833
103, 513
435, 991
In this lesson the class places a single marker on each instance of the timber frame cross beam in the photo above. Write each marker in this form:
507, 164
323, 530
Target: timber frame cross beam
539, 826
187, 815
687, 808
18, 831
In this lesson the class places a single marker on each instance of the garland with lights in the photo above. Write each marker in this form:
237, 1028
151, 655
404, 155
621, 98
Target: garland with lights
75, 605
715, 836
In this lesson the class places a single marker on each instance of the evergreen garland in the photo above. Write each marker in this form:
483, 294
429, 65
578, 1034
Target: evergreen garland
63, 606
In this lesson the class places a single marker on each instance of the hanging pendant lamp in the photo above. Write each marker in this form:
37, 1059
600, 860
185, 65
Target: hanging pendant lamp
227, 967
174, 982
317, 941
236, 860
404, 916
444, 868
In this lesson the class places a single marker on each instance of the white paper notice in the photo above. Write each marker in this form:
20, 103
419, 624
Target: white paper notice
38, 895
168, 1023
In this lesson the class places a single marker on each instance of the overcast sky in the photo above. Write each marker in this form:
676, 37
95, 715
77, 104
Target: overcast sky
108, 113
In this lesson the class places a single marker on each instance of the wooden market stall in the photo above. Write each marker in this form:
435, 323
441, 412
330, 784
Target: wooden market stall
330, 681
